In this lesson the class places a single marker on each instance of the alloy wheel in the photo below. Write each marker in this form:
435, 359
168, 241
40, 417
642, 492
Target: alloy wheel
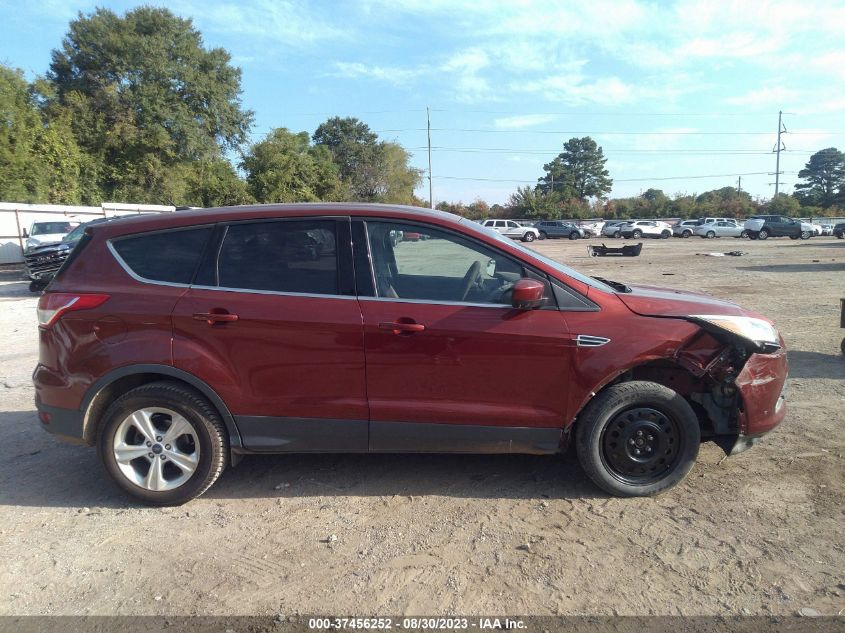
156, 449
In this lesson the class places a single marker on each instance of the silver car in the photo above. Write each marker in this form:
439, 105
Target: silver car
720, 228
685, 228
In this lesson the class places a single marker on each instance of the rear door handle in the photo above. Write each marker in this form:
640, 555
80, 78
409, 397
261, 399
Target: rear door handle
216, 317
400, 328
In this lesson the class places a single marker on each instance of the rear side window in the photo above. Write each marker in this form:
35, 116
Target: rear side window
169, 256
281, 256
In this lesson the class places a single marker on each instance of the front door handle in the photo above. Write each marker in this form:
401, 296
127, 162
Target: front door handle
216, 317
402, 328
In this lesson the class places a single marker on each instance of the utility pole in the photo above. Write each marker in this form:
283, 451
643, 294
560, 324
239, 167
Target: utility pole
780, 146
739, 185
428, 120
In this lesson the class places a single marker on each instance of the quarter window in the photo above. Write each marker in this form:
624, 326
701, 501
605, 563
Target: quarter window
281, 256
169, 256
440, 266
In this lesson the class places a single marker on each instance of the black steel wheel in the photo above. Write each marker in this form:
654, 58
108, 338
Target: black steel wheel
637, 438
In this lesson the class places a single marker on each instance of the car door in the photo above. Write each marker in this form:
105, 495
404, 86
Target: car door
512, 229
451, 365
273, 325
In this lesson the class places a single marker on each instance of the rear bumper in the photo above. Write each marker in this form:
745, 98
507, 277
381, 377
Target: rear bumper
66, 424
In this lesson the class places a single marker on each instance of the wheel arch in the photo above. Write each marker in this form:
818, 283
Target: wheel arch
660, 370
118, 381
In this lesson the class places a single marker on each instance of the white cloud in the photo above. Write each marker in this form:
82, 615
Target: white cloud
766, 96
522, 121
392, 74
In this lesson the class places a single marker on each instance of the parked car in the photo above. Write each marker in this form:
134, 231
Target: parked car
46, 233
817, 228
646, 228
613, 228
178, 343
559, 228
513, 230
766, 226
827, 229
839, 230
42, 262
685, 228
721, 228
593, 229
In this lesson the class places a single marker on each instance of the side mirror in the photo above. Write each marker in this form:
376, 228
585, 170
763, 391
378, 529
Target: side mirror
25, 234
528, 294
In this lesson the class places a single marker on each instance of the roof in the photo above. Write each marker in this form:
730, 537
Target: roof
140, 223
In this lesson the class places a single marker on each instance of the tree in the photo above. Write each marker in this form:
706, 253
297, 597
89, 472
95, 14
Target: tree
215, 183
372, 171
145, 96
578, 172
40, 160
284, 167
824, 174
783, 205
531, 203
356, 152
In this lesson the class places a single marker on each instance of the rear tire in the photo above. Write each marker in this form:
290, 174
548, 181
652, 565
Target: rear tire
197, 455
666, 235
637, 439
806, 235
686, 234
763, 234
744, 234
637, 234
574, 236
710, 235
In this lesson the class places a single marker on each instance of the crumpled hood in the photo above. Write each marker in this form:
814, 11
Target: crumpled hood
670, 302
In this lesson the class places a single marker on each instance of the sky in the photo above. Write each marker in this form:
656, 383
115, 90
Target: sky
682, 96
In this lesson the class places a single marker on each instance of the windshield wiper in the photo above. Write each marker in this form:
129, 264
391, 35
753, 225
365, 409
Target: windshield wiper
613, 284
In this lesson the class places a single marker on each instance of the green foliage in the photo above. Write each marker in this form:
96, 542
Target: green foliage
372, 171
783, 205
215, 183
145, 97
20, 129
824, 174
284, 167
476, 210
577, 172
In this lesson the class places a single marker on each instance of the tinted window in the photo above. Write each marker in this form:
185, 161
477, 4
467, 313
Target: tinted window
168, 256
442, 266
298, 256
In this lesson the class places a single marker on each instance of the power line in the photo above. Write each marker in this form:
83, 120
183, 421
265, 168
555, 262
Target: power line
615, 180
555, 151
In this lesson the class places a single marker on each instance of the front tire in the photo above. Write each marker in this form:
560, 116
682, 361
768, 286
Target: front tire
162, 443
744, 234
806, 235
637, 439
686, 234
763, 234
542, 235
710, 235
637, 234
528, 237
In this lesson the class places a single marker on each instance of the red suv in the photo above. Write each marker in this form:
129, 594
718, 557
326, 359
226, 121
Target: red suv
178, 343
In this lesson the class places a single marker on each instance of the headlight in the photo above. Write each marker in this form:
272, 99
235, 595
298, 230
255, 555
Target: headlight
761, 333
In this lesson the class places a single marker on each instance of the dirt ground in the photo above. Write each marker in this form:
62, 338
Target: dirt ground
759, 533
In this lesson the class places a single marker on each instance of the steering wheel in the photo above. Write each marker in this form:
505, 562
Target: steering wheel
471, 277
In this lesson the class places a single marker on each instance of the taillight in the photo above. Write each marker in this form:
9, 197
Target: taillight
53, 305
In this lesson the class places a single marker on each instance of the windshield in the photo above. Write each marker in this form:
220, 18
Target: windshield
75, 234
50, 228
566, 270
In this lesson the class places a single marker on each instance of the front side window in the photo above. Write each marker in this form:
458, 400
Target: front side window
280, 256
443, 266
167, 256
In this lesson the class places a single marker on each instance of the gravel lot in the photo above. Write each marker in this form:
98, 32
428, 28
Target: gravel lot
760, 533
